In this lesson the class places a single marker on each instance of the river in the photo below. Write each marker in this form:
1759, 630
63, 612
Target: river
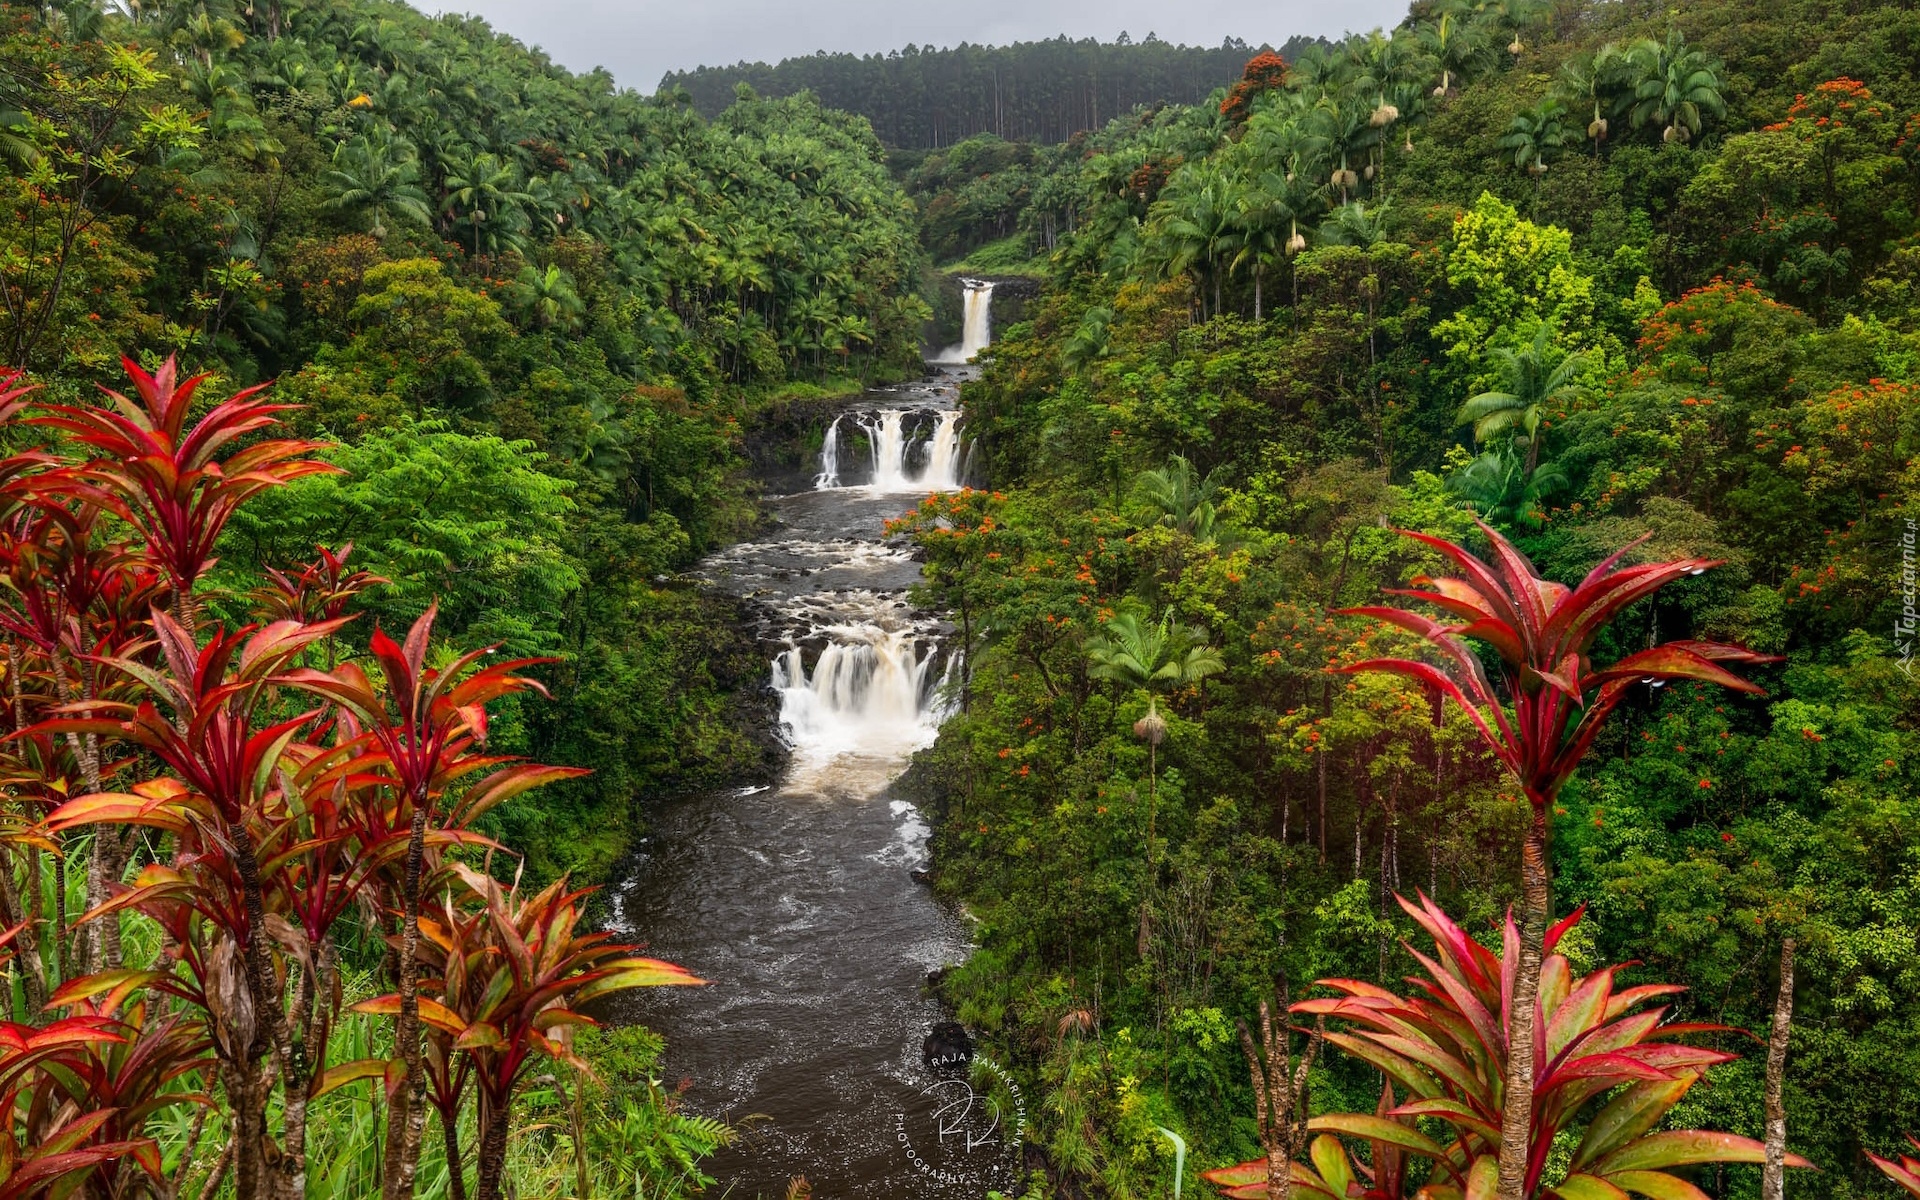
797, 901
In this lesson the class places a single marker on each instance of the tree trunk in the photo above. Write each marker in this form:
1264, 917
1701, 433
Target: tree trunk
493, 1154
1516, 1116
450, 1138
245, 1085
1326, 710
1146, 890
577, 1112
1257, 311
17, 911
1773, 1174
1279, 1091
406, 1115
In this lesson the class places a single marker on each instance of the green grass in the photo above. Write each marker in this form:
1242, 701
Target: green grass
1008, 256
830, 388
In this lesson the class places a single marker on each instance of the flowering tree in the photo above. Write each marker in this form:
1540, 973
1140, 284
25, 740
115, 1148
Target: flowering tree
1551, 703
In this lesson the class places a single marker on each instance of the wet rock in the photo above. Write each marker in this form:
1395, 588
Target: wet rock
921, 875
948, 1045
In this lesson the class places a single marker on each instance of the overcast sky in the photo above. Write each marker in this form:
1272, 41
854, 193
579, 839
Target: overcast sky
640, 40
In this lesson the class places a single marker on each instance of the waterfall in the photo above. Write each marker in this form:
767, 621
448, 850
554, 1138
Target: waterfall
976, 329
867, 691
829, 476
887, 434
976, 322
907, 457
943, 455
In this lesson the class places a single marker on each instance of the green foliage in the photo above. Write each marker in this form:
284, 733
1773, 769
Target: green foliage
1696, 323
471, 522
1512, 276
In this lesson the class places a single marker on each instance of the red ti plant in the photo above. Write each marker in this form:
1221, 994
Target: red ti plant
1607, 1067
512, 974
130, 1077
175, 485
228, 818
1905, 1171
423, 735
76, 1092
168, 481
1552, 703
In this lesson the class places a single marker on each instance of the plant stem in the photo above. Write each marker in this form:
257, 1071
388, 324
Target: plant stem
1516, 1115
406, 1117
1773, 1174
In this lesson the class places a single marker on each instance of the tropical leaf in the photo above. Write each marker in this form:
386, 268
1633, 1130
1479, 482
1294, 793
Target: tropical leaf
1446, 1047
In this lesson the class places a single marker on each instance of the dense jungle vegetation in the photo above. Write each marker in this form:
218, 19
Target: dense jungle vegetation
529, 309
514, 320
922, 97
1584, 271
1574, 279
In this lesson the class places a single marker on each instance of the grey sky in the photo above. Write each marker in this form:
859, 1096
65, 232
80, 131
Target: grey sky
640, 40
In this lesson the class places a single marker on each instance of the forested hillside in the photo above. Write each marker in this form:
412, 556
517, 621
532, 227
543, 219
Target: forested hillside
1429, 701
1613, 278
529, 308
923, 98
272, 658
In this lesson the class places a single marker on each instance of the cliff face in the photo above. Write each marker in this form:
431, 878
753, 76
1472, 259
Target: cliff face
1012, 296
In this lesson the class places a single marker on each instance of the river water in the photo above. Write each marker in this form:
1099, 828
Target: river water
796, 901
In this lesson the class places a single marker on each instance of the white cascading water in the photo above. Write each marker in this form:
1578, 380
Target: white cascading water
976, 321
866, 693
943, 455
894, 443
886, 433
829, 476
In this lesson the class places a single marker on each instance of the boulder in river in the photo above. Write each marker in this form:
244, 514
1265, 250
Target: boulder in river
947, 1046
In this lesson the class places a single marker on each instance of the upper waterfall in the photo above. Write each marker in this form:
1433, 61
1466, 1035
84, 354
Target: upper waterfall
976, 321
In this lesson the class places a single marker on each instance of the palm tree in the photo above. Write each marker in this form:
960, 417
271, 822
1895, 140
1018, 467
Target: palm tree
548, 297
1532, 380
1673, 87
1343, 122
486, 188
16, 141
1129, 651
1356, 224
1180, 498
1588, 80
1266, 221
1089, 340
1521, 16
1397, 72
378, 176
1196, 224
1457, 42
1534, 134
1503, 490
